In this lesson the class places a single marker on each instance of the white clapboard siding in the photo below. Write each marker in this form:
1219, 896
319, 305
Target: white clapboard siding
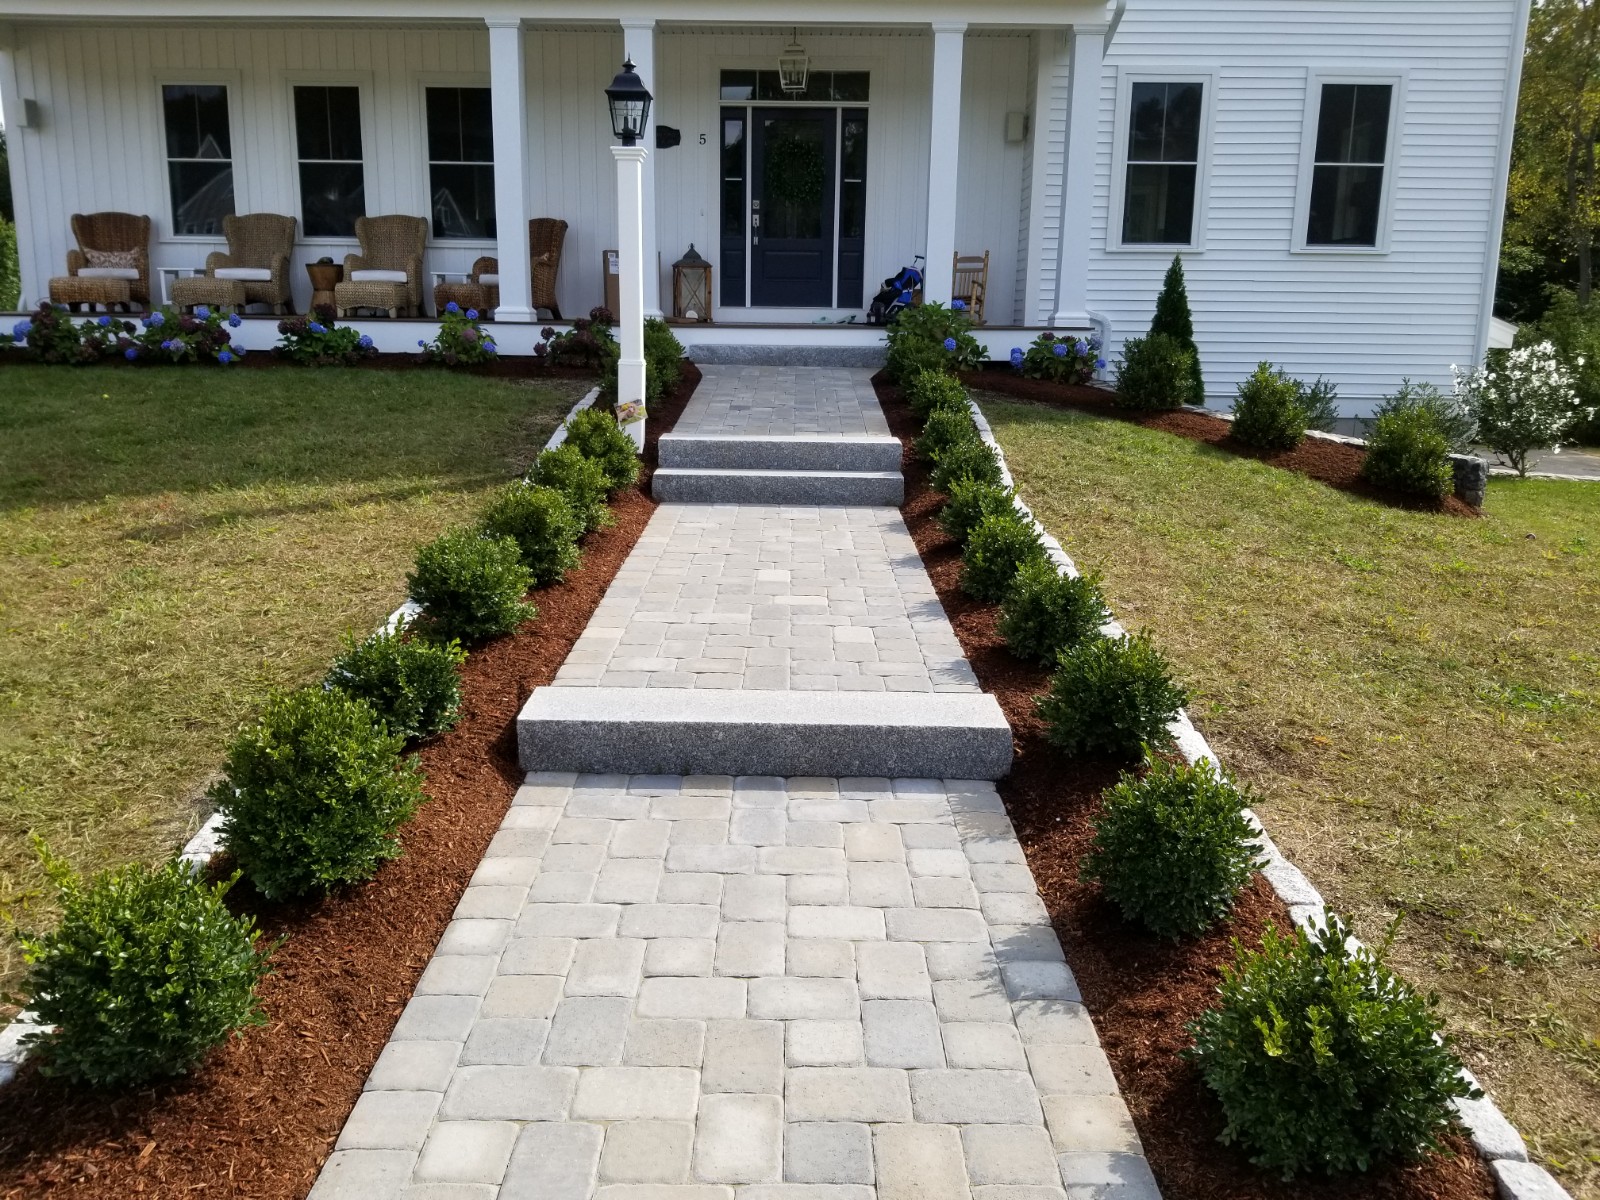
989, 191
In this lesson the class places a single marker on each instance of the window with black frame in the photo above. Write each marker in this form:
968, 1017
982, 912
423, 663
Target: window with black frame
327, 122
199, 157
461, 162
1350, 159
1163, 170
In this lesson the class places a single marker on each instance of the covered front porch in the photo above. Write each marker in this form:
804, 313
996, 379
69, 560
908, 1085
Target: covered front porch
920, 132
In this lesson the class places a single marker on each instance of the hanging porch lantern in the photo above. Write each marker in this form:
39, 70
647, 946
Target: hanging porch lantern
691, 287
793, 66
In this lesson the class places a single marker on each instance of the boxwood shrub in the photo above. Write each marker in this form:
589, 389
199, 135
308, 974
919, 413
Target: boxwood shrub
996, 549
412, 684
1045, 612
971, 500
969, 459
1111, 696
1172, 849
927, 391
542, 524
1324, 1061
581, 479
596, 435
1156, 372
146, 971
944, 428
314, 793
1269, 413
470, 587
1407, 451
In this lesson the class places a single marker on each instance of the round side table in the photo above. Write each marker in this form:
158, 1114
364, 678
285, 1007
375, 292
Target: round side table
324, 278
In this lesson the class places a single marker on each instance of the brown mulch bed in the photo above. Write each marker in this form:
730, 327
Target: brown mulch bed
1333, 463
1141, 991
263, 1113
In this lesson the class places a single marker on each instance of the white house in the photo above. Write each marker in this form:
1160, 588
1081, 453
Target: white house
1333, 171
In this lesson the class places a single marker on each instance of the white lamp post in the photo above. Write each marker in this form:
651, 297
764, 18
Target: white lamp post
630, 114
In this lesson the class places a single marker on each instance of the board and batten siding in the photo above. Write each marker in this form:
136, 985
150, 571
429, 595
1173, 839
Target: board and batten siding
1364, 321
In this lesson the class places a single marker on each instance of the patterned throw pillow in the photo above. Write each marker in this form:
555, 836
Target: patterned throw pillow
112, 258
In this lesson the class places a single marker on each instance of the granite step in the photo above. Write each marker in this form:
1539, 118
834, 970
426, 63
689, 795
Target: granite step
718, 485
796, 452
938, 735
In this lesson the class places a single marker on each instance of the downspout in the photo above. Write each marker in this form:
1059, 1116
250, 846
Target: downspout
1502, 181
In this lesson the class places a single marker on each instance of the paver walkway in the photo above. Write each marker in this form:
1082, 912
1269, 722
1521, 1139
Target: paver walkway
780, 401
708, 987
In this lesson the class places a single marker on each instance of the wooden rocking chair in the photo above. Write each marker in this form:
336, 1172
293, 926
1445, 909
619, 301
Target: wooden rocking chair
970, 283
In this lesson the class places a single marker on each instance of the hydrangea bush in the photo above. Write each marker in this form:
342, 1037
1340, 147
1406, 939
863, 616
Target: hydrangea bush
589, 343
1059, 359
461, 340
1525, 399
51, 335
931, 337
166, 336
314, 340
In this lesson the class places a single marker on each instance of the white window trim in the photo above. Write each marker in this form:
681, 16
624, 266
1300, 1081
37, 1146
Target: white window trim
362, 82
1396, 79
1126, 78
226, 79
441, 79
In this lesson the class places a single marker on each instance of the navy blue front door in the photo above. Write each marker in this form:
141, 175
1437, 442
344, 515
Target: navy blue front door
792, 190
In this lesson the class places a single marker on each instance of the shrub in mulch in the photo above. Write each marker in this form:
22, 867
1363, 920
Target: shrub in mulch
1334, 463
1142, 990
258, 1119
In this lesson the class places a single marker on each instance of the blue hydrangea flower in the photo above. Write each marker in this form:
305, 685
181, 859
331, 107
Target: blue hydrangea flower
21, 330
146, 322
452, 307
235, 320
224, 357
422, 343
105, 322
950, 344
958, 305
317, 327
472, 314
131, 353
1059, 349
202, 313
1099, 364
365, 341
1082, 347
1017, 356
157, 318
238, 351
490, 348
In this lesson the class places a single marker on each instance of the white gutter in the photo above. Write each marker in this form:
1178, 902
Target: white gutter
1497, 211
1116, 20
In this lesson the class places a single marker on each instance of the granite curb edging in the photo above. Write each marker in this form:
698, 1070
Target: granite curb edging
1495, 1138
207, 840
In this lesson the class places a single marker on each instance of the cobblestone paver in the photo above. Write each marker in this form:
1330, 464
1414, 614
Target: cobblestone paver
706, 988
769, 598
783, 402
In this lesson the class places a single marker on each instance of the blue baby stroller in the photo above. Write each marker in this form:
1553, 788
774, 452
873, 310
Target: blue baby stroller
897, 292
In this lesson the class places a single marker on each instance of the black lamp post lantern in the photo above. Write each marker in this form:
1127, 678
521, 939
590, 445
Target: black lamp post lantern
630, 105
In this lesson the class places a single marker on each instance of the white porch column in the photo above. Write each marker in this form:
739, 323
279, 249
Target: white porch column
630, 288
1046, 138
34, 282
639, 44
509, 106
944, 145
1087, 50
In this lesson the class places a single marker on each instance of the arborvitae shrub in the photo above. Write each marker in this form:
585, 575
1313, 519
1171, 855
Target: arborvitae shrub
542, 524
1156, 372
970, 502
470, 587
1267, 414
945, 427
1322, 1060
970, 459
996, 548
577, 477
1408, 452
314, 793
597, 436
1173, 320
412, 684
1320, 401
146, 972
1045, 612
1171, 849
928, 391
1111, 696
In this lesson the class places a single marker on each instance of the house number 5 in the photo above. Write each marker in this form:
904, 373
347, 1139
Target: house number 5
702, 139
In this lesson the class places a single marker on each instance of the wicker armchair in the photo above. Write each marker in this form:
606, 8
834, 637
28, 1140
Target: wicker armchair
482, 289
116, 231
389, 244
257, 242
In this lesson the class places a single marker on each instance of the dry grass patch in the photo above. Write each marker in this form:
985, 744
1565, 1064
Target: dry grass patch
1418, 699
173, 543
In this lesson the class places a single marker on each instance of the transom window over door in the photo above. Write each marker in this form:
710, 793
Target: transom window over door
1350, 159
199, 157
1163, 165
327, 123
461, 162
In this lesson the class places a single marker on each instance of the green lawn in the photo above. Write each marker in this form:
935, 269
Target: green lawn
1417, 699
175, 542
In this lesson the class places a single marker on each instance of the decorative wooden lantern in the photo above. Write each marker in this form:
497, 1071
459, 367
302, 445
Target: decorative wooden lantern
691, 287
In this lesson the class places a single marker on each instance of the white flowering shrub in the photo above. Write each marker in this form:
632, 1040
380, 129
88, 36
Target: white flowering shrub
1524, 400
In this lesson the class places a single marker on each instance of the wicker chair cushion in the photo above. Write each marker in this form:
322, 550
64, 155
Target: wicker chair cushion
127, 260
252, 274
108, 273
489, 277
376, 276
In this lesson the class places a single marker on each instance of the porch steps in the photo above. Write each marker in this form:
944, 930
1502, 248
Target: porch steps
674, 731
720, 485
794, 452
